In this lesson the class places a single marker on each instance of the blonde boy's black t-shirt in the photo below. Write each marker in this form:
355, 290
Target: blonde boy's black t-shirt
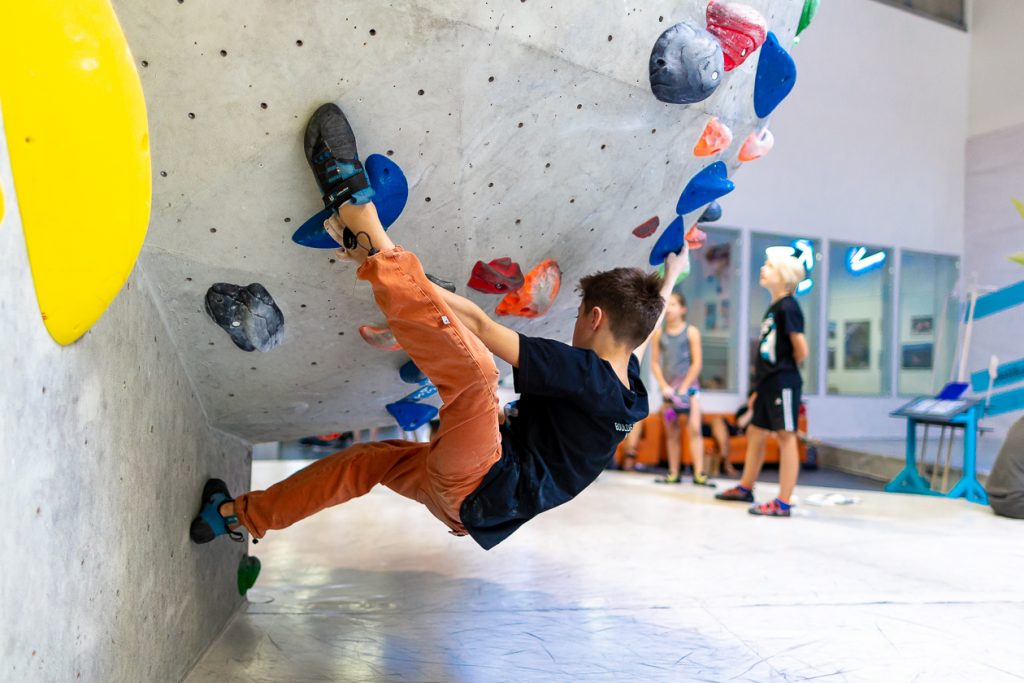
572, 413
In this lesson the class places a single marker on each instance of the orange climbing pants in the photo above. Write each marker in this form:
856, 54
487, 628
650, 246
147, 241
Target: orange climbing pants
439, 474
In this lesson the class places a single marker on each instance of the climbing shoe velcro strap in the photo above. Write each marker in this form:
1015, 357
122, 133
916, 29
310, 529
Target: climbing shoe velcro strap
343, 191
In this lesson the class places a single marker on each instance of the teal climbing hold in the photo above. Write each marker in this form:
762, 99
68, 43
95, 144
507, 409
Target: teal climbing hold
776, 76
411, 416
411, 374
705, 187
670, 241
807, 16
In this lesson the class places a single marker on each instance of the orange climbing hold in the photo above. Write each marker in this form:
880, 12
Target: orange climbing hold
757, 145
695, 237
714, 139
379, 338
537, 294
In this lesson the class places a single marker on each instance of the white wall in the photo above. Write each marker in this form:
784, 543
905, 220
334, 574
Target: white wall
996, 79
869, 149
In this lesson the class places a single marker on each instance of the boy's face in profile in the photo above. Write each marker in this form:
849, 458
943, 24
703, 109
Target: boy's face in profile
770, 277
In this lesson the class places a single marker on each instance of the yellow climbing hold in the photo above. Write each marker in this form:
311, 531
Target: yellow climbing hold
1020, 206
1018, 258
79, 147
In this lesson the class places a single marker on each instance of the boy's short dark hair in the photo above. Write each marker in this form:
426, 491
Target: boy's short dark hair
629, 297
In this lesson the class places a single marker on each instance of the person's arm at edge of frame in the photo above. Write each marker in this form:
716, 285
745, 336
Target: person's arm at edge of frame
502, 341
675, 265
800, 350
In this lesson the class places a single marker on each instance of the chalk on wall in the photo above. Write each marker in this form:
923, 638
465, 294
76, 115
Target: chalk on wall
686, 65
248, 314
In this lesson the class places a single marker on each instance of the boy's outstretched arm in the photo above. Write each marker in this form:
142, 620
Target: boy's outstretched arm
500, 340
675, 265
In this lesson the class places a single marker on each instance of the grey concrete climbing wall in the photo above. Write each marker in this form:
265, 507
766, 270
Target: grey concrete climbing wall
104, 448
526, 129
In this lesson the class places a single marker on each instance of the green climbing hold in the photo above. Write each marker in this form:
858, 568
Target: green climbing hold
807, 16
248, 570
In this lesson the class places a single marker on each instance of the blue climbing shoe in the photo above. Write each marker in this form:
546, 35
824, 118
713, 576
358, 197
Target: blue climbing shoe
209, 523
330, 147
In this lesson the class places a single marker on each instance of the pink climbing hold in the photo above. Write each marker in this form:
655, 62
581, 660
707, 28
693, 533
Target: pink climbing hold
740, 30
757, 145
696, 238
500, 276
379, 338
647, 228
714, 139
537, 294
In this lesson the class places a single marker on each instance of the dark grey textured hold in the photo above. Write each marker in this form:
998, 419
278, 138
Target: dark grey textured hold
686, 65
248, 314
443, 284
711, 214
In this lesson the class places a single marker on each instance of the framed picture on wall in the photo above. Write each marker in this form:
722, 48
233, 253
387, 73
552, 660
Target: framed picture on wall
921, 325
857, 347
917, 356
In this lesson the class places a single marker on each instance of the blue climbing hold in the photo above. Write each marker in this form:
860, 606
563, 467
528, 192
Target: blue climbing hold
776, 76
411, 374
711, 214
705, 187
391, 191
670, 241
411, 416
390, 188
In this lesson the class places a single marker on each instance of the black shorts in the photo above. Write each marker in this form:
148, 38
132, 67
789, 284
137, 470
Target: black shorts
776, 409
733, 430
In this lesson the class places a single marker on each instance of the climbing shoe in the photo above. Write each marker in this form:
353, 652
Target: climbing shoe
702, 480
737, 493
669, 479
330, 147
209, 523
773, 508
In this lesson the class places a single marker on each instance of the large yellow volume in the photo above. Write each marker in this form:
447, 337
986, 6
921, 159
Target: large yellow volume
75, 117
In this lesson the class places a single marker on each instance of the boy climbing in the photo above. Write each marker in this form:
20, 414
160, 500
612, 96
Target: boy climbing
480, 474
777, 384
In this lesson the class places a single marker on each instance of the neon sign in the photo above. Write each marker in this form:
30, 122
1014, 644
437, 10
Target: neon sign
858, 261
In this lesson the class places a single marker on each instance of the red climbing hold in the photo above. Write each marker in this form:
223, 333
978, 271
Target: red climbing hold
500, 276
757, 145
647, 228
714, 139
537, 294
379, 338
739, 28
695, 237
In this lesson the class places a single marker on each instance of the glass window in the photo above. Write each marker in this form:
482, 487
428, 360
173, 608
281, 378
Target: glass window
928, 321
710, 293
807, 296
859, 314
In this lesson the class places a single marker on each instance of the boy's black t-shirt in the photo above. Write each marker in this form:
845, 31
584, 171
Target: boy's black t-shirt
572, 413
775, 366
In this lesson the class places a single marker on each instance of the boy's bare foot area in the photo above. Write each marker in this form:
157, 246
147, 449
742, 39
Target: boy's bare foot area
358, 230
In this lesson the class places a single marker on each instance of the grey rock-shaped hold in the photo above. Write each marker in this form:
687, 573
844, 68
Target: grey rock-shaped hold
442, 283
686, 65
248, 314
